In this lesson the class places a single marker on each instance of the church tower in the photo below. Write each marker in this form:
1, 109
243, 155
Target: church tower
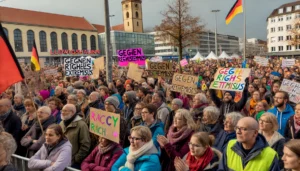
132, 15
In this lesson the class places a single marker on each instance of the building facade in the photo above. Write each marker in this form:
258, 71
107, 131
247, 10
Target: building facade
132, 16
254, 47
280, 24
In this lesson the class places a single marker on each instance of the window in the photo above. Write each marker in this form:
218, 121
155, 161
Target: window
280, 48
297, 26
53, 37
136, 5
93, 42
280, 18
297, 7
272, 29
83, 42
288, 27
273, 20
280, 11
74, 41
288, 37
280, 38
288, 17
288, 9
126, 6
137, 23
137, 14
18, 40
127, 14
273, 49
280, 28
288, 47
298, 47
6, 32
273, 39
64, 40
297, 15
30, 39
43, 41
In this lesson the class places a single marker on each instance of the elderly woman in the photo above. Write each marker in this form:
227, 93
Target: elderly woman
82, 101
34, 138
210, 121
103, 156
176, 143
55, 105
199, 103
141, 154
201, 155
224, 136
268, 127
291, 155
56, 152
8, 147
292, 129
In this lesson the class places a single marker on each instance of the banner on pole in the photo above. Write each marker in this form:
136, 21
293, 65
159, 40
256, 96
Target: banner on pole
292, 88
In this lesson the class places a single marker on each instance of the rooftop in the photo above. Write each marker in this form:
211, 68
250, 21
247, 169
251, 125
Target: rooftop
284, 6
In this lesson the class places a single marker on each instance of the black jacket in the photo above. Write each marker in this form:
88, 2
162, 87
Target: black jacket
288, 133
12, 124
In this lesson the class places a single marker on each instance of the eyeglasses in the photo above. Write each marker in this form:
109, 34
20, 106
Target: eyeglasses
138, 108
278, 97
263, 121
242, 129
130, 138
194, 145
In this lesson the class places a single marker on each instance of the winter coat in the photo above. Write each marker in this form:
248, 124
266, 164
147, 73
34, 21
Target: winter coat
19, 110
8, 167
147, 162
259, 145
157, 128
163, 112
12, 124
169, 121
63, 98
197, 113
277, 143
230, 106
101, 162
77, 133
282, 117
36, 134
212, 129
288, 132
60, 155
222, 139
136, 121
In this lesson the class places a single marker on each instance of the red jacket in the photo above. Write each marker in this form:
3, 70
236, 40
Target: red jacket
101, 162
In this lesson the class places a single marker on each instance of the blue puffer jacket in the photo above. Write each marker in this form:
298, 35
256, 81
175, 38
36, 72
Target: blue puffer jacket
157, 128
147, 162
282, 117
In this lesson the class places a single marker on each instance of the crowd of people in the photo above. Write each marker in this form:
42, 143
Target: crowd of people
257, 129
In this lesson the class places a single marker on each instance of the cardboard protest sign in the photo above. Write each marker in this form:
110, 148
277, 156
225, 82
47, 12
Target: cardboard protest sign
134, 72
184, 84
135, 55
292, 88
183, 62
261, 61
288, 62
105, 124
230, 79
51, 72
78, 66
162, 69
99, 63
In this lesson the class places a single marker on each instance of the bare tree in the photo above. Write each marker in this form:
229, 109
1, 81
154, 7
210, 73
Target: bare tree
295, 33
179, 28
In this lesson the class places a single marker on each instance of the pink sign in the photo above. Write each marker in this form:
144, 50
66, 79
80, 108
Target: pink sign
135, 55
183, 62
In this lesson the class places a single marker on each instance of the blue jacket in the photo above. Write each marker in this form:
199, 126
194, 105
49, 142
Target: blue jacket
282, 117
157, 128
147, 162
259, 145
222, 139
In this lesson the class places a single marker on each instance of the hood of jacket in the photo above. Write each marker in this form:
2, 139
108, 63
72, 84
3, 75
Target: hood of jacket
155, 125
163, 105
288, 110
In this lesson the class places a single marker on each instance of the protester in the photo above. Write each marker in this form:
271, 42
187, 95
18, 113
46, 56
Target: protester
142, 93
137, 119
104, 92
29, 118
8, 147
55, 106
292, 129
282, 110
158, 99
76, 130
291, 155
210, 121
175, 105
129, 99
18, 106
199, 103
60, 95
103, 156
82, 101
260, 108
274, 89
56, 152
249, 109
72, 99
141, 154
176, 142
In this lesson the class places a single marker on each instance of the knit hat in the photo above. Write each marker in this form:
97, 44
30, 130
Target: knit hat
78, 85
113, 100
70, 89
178, 102
81, 91
232, 93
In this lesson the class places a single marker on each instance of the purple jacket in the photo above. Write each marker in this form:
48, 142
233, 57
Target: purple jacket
61, 156
101, 162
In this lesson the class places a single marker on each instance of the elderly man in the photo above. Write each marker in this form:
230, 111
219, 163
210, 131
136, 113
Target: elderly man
60, 94
19, 107
10, 121
199, 103
77, 132
250, 151
158, 99
34, 138
176, 104
95, 102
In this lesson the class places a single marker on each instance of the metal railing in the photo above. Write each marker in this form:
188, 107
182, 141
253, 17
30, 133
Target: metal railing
21, 163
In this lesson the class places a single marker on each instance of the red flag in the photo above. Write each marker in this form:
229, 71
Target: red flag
10, 70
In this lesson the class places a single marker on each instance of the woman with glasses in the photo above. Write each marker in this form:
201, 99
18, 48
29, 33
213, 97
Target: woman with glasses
292, 129
291, 155
136, 119
268, 127
201, 155
141, 154
176, 142
103, 156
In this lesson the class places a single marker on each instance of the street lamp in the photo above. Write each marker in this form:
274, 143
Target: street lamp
216, 40
110, 16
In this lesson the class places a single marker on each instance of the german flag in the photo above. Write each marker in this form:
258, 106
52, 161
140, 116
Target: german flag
35, 64
10, 70
235, 10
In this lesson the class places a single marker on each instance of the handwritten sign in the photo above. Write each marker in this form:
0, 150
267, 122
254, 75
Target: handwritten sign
134, 72
183, 62
51, 72
99, 63
231, 79
184, 84
261, 61
288, 62
78, 66
292, 88
105, 124
160, 69
135, 55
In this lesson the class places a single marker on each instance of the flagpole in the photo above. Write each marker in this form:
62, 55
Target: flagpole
245, 31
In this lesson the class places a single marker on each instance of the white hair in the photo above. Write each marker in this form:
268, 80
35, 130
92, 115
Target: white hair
213, 111
97, 94
20, 96
71, 107
45, 109
202, 97
235, 117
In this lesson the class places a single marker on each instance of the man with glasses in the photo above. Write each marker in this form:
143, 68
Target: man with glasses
250, 151
282, 110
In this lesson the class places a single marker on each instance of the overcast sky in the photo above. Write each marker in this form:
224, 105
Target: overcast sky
257, 12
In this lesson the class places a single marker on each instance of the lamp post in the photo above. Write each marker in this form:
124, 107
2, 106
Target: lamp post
216, 39
110, 16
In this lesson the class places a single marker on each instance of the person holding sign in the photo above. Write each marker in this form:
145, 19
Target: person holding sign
141, 154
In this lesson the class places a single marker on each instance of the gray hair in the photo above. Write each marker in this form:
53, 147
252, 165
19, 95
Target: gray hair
20, 96
73, 96
81, 91
202, 97
213, 111
9, 144
178, 102
71, 107
97, 94
235, 117
45, 109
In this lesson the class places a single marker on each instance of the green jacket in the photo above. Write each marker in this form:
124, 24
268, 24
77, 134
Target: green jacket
77, 133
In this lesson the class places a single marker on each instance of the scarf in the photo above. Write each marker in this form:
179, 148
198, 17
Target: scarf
45, 124
252, 105
110, 146
134, 155
297, 123
175, 135
67, 122
55, 112
49, 148
5, 115
202, 162
200, 105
